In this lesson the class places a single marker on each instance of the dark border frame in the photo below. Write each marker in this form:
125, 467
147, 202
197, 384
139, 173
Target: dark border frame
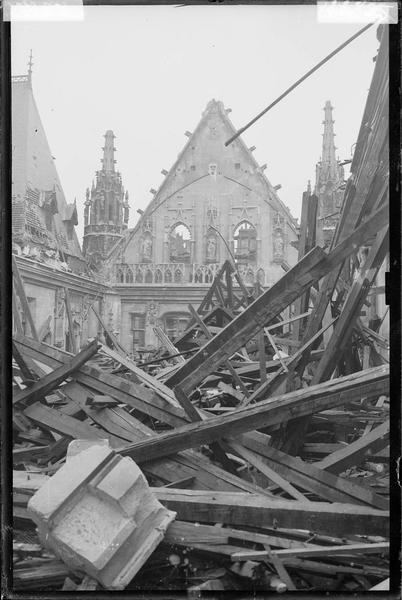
393, 297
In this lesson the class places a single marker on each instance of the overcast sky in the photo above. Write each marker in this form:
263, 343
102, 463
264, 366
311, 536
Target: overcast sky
147, 73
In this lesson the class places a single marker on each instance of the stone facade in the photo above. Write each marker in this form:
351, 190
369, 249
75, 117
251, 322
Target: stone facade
45, 243
214, 204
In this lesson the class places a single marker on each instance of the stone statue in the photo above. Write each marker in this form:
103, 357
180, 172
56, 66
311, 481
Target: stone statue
278, 244
147, 248
211, 248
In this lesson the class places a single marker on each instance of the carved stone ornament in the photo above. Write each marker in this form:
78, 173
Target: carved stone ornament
152, 313
146, 248
211, 248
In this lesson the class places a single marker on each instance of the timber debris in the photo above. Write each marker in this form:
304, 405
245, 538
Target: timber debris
266, 432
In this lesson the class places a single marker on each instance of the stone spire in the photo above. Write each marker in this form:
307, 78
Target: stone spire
108, 160
329, 180
106, 208
328, 160
30, 65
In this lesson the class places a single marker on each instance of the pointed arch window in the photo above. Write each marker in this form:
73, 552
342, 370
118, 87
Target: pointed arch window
180, 244
245, 243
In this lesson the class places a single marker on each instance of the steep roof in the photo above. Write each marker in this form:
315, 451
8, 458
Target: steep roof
36, 187
214, 112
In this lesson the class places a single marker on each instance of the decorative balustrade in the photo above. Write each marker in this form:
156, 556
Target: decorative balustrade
179, 273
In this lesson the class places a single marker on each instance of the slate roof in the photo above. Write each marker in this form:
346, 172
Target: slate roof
34, 178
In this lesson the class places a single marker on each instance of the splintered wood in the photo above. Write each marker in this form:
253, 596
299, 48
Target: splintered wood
265, 426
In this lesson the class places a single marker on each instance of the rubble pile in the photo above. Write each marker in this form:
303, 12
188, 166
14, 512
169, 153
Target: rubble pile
251, 453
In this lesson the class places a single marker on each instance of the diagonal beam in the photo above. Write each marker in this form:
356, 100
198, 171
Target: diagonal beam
271, 303
370, 383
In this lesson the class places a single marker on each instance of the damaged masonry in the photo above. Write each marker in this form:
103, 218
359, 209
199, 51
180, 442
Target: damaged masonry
194, 410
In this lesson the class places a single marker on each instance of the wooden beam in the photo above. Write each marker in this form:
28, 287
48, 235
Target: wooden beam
209, 336
280, 376
354, 453
307, 239
270, 304
163, 338
246, 324
318, 552
119, 348
263, 468
49, 382
335, 392
73, 348
160, 388
135, 395
352, 306
19, 287
307, 476
252, 510
55, 420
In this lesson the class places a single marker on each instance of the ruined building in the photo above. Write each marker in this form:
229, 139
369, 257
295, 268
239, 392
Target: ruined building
215, 203
45, 243
106, 210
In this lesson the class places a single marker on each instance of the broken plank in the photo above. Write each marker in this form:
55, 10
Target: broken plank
321, 552
19, 287
55, 420
307, 476
159, 388
356, 452
109, 334
271, 303
49, 382
71, 338
272, 475
373, 382
252, 510
94, 378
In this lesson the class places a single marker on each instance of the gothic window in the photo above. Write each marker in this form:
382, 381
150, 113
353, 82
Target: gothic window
138, 276
120, 276
261, 276
158, 276
245, 243
138, 330
129, 276
180, 244
168, 276
148, 276
175, 324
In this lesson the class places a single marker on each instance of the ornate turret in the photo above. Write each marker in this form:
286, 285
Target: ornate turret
329, 182
106, 209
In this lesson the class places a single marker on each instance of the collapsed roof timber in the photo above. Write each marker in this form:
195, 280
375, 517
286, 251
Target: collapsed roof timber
259, 421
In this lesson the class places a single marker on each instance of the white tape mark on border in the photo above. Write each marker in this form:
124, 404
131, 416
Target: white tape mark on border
45, 10
357, 12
